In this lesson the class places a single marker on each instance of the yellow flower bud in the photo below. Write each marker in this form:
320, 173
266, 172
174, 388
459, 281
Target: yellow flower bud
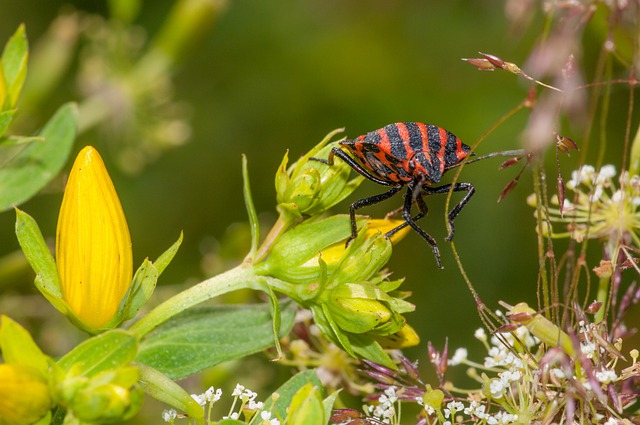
93, 249
24, 395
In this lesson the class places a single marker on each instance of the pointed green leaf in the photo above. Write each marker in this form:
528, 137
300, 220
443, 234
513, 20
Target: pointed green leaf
142, 286
18, 347
288, 390
203, 337
106, 351
162, 388
277, 319
14, 65
165, 258
5, 119
251, 209
328, 404
36, 164
367, 348
38, 255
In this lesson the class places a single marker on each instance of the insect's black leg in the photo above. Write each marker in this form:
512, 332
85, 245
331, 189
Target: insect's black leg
458, 187
353, 164
423, 212
365, 202
406, 213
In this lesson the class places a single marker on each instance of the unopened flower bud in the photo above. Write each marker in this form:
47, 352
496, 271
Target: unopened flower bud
93, 249
309, 186
24, 395
542, 328
107, 397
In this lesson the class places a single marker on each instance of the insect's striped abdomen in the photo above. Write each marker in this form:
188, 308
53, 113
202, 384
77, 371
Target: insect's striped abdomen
406, 151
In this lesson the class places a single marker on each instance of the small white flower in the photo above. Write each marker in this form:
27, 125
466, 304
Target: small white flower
611, 421
606, 173
597, 193
238, 390
248, 395
588, 349
497, 388
234, 416
212, 395
458, 357
267, 420
199, 398
255, 405
606, 376
169, 415
618, 196
480, 334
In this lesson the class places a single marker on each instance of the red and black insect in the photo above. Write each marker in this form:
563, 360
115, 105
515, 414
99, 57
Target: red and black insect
410, 154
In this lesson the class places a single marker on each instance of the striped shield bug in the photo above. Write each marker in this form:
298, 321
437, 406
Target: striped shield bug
410, 154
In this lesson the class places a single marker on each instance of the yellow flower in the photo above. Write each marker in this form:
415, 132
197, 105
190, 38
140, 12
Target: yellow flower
93, 249
333, 253
24, 395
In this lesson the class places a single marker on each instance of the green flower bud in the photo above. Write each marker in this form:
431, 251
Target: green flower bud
541, 327
295, 256
357, 308
433, 398
108, 397
310, 187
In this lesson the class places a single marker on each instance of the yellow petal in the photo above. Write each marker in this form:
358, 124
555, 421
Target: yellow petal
385, 225
93, 246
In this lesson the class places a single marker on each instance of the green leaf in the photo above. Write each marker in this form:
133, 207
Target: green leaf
251, 209
276, 319
18, 346
162, 388
203, 337
5, 119
106, 351
328, 404
289, 389
14, 65
306, 407
141, 288
165, 258
38, 255
368, 348
19, 140
37, 163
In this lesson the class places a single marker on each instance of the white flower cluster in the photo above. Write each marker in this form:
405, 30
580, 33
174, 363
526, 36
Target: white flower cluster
244, 395
385, 410
600, 206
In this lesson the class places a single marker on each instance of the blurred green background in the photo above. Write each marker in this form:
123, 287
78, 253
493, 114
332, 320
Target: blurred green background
272, 76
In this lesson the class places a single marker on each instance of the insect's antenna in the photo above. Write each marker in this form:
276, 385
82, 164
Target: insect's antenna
516, 153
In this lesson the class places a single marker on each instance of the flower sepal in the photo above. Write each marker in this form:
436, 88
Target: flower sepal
310, 187
97, 381
295, 257
354, 304
142, 286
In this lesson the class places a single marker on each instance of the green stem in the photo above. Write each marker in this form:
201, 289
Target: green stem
603, 295
241, 277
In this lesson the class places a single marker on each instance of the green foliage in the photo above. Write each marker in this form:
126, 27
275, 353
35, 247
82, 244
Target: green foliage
203, 337
36, 163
